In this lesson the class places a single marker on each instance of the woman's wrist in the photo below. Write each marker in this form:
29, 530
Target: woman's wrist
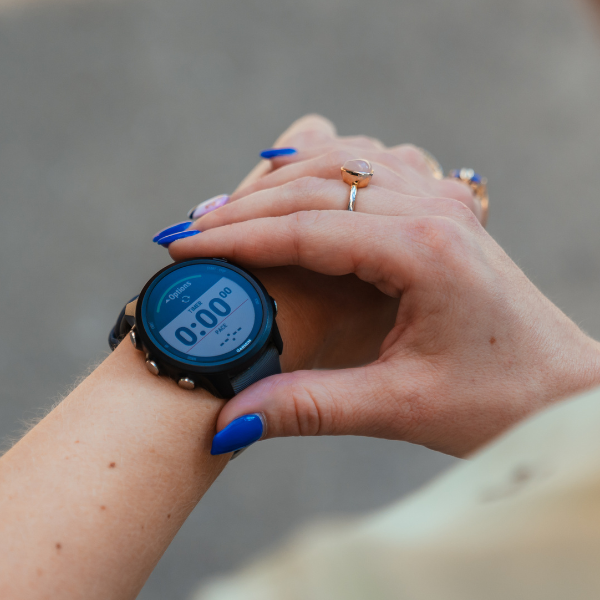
98, 489
123, 460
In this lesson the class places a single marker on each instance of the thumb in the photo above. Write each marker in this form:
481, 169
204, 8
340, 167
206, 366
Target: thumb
301, 403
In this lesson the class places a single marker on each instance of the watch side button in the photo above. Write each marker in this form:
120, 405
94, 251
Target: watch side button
152, 367
186, 383
275, 306
134, 339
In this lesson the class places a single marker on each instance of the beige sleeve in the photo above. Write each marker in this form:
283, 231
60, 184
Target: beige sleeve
520, 520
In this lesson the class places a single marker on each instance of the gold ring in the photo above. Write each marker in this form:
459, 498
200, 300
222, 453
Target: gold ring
356, 173
433, 164
478, 185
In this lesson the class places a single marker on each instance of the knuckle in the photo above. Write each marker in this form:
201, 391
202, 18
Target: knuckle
303, 186
441, 235
303, 227
457, 190
316, 122
337, 157
464, 211
305, 221
305, 418
364, 141
314, 137
467, 217
313, 120
310, 133
410, 150
411, 154
459, 211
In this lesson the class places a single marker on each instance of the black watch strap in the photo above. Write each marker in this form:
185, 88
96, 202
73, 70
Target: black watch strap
267, 364
123, 326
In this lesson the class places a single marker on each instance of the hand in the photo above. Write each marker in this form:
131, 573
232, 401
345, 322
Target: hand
475, 346
292, 183
320, 153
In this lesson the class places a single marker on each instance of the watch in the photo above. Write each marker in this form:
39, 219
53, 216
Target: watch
204, 323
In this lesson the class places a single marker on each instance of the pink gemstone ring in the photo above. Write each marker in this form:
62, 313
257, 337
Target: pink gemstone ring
356, 173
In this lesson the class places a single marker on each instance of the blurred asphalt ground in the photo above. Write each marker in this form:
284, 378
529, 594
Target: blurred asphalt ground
116, 117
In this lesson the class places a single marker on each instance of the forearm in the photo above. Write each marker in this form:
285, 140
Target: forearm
92, 496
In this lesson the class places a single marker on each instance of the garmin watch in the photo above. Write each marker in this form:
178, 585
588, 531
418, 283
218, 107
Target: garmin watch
204, 323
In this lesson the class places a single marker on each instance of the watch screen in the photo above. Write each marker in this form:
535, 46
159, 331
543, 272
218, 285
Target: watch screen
202, 312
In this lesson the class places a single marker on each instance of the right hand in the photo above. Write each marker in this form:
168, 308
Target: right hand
294, 183
475, 346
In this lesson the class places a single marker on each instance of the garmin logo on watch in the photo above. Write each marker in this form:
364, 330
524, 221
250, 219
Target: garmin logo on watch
174, 295
243, 346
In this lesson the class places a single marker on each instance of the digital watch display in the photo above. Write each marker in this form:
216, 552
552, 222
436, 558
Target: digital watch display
204, 322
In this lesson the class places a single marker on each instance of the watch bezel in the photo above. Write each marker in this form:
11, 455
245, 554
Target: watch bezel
247, 356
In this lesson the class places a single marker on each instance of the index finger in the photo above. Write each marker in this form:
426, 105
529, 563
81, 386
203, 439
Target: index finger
379, 250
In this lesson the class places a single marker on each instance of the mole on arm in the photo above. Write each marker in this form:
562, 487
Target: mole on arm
112, 465
492, 340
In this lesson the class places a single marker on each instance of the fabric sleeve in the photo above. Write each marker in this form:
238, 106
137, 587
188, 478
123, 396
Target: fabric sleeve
520, 520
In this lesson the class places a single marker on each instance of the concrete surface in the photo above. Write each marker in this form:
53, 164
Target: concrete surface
116, 117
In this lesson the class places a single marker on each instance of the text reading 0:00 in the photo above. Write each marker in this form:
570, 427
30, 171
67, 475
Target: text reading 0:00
205, 318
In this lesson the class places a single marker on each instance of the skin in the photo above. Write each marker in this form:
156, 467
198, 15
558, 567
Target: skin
123, 460
323, 301
93, 495
474, 347
462, 344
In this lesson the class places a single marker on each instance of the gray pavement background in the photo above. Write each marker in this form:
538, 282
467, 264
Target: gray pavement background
116, 117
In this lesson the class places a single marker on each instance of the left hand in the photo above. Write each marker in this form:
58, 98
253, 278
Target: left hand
403, 169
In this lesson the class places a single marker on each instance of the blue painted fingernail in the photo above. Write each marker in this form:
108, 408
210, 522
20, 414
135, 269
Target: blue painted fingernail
172, 229
238, 434
168, 239
273, 152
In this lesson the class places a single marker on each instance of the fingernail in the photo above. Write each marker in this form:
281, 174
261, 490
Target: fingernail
238, 434
172, 229
273, 152
168, 239
208, 206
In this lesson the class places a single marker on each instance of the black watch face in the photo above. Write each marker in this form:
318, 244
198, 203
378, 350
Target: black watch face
202, 312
